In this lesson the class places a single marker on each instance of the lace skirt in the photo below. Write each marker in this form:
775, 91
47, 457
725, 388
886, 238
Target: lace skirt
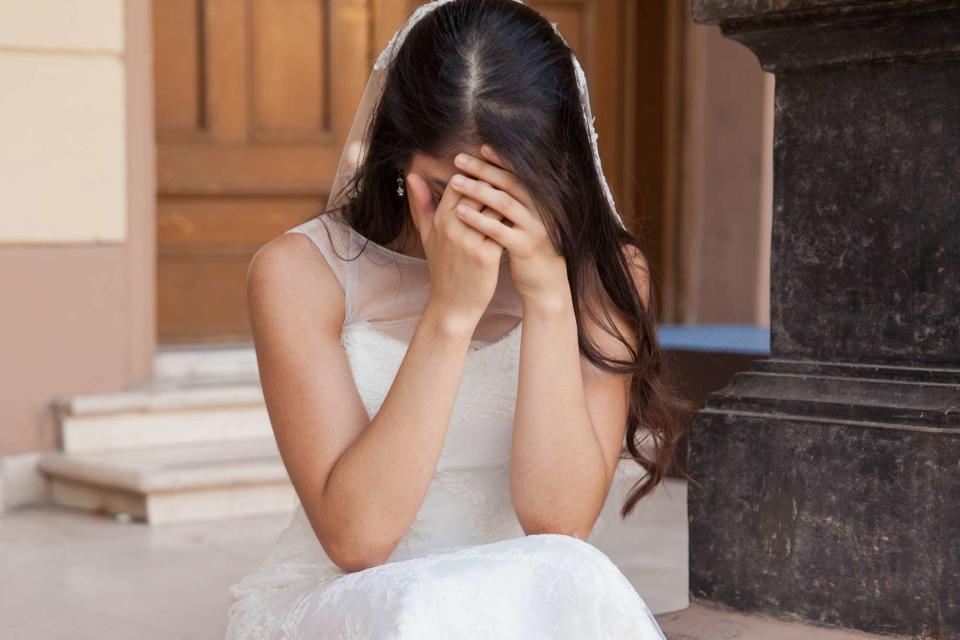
547, 586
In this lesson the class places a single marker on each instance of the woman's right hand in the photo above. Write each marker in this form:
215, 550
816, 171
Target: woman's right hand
464, 263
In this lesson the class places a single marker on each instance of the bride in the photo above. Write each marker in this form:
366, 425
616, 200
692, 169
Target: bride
455, 354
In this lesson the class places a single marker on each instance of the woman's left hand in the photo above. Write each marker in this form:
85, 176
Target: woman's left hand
538, 271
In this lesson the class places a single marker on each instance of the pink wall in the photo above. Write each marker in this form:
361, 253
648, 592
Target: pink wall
79, 318
727, 171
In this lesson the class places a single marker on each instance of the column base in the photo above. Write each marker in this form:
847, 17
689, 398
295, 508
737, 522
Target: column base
829, 492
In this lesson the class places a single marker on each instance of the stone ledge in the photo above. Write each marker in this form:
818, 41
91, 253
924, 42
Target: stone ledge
701, 621
173, 483
772, 389
150, 399
712, 11
800, 34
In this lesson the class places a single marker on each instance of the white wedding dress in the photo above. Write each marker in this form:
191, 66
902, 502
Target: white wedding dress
465, 570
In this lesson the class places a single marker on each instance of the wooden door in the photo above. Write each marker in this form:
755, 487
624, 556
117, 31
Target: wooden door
253, 102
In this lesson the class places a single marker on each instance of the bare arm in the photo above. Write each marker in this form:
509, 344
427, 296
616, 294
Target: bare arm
375, 488
360, 481
570, 418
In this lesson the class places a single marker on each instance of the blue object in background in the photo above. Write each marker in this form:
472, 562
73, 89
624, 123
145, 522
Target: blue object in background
727, 338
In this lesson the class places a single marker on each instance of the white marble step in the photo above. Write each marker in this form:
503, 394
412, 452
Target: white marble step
200, 362
163, 415
160, 484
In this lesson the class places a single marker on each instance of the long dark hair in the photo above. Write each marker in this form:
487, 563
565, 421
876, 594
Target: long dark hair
495, 71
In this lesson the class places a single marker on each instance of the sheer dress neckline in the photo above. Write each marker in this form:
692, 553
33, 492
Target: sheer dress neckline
388, 251
388, 290
475, 345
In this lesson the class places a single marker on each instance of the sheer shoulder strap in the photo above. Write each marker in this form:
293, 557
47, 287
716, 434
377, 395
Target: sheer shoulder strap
332, 237
387, 290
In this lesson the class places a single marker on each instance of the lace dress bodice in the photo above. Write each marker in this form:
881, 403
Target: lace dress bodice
468, 500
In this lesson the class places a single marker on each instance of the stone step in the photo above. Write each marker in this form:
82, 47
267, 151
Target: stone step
163, 414
173, 483
198, 363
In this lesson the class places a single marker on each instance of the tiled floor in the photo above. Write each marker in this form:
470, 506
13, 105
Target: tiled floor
71, 575
68, 574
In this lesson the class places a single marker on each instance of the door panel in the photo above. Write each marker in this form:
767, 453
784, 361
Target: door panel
251, 112
288, 51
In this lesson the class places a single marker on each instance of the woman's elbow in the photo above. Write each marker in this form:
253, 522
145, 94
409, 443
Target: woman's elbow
352, 553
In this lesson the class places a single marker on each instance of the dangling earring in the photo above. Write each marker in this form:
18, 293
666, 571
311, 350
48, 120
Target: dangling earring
400, 184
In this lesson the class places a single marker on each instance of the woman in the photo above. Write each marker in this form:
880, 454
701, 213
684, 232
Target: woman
453, 354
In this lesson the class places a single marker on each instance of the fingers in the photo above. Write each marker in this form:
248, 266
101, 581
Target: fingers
419, 193
490, 213
494, 156
489, 226
496, 199
475, 205
519, 191
500, 178
421, 202
423, 208
427, 215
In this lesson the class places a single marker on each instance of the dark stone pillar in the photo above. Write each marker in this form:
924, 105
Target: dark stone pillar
829, 475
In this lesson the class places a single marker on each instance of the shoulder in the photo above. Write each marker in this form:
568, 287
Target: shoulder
289, 275
290, 259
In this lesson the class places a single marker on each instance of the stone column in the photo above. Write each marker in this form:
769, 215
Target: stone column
829, 475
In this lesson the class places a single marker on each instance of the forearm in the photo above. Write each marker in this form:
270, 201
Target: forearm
377, 485
557, 474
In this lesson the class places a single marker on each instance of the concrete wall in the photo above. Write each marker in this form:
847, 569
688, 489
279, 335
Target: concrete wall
77, 200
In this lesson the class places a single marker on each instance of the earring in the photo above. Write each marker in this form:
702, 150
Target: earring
400, 184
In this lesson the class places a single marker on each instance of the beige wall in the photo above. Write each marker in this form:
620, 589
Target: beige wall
62, 121
77, 205
726, 183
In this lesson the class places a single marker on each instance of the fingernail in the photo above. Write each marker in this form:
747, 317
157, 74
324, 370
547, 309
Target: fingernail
461, 159
458, 180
